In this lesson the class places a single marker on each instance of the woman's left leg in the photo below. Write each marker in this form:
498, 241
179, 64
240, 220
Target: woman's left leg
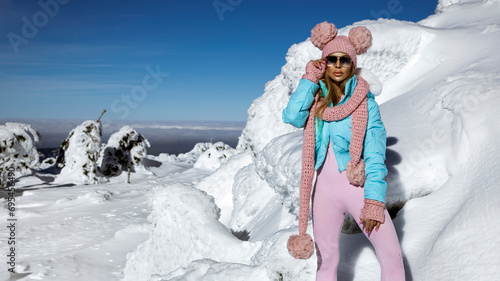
386, 244
385, 240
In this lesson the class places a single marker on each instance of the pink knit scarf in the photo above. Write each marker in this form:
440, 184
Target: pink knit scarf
357, 106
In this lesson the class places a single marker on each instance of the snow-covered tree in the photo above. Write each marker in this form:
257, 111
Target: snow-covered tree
80, 151
17, 149
125, 150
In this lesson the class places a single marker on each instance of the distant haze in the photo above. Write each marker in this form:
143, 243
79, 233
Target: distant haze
172, 137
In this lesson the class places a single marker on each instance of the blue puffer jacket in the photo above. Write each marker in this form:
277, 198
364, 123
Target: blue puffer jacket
339, 133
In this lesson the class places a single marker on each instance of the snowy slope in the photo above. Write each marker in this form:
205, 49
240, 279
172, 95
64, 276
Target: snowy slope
439, 104
84, 232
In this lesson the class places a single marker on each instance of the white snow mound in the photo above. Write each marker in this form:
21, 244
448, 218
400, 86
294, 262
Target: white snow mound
439, 102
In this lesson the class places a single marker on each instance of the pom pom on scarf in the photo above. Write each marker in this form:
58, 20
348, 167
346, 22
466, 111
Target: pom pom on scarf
356, 173
300, 246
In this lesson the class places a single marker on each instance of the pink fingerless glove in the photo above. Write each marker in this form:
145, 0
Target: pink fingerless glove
313, 73
373, 210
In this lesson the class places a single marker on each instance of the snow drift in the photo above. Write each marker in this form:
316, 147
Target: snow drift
440, 107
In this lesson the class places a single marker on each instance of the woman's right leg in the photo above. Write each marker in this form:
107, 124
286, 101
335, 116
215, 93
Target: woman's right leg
328, 217
327, 225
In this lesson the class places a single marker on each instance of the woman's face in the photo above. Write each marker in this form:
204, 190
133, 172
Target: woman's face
338, 67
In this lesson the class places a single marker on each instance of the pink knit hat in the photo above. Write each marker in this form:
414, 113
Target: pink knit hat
324, 36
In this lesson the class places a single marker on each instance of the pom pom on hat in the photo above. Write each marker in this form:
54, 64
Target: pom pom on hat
323, 33
361, 39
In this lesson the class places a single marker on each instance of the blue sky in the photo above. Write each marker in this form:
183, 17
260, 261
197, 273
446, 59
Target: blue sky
158, 59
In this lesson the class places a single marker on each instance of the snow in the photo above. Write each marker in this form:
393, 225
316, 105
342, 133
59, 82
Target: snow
218, 213
214, 155
220, 184
192, 232
81, 231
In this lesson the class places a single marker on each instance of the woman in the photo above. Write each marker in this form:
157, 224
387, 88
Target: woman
345, 142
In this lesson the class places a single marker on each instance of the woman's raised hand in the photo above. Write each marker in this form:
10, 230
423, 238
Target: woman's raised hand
315, 69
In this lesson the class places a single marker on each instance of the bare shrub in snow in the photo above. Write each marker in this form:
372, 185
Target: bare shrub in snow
80, 151
17, 149
125, 149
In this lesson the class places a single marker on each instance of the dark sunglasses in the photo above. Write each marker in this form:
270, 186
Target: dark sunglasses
344, 61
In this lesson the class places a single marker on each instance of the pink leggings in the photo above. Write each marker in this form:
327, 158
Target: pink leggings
333, 197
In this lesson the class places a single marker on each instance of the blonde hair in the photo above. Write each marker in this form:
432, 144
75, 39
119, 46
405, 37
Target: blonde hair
334, 92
